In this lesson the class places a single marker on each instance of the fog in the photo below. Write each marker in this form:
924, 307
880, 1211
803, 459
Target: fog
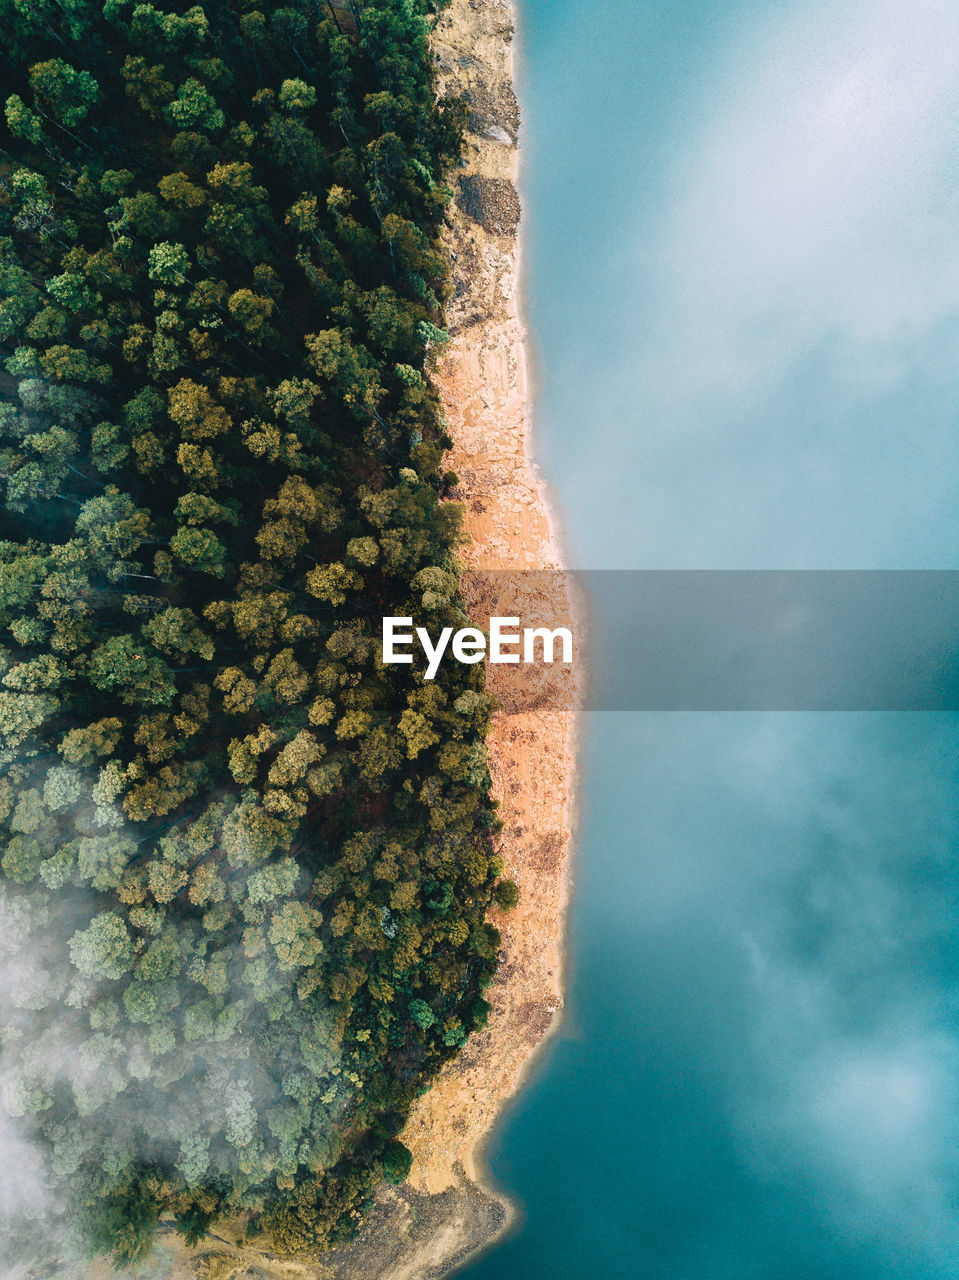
74, 1099
760, 284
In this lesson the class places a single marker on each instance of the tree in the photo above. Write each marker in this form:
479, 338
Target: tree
84, 746
104, 949
21, 121
102, 859
21, 714
238, 690
286, 679
68, 94
114, 527
421, 1014
201, 550
507, 895
293, 762
293, 934
297, 95
178, 632
415, 728
396, 1162
71, 291
169, 263
21, 859
196, 413
194, 107
44, 672
253, 313
124, 665
62, 788
331, 582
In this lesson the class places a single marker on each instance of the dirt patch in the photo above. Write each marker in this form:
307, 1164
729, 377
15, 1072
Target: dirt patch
493, 112
412, 1236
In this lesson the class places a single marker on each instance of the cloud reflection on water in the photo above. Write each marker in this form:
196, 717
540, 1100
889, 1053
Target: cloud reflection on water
779, 350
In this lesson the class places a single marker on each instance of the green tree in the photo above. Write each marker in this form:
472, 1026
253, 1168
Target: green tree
66, 93
201, 550
194, 107
139, 677
169, 263
422, 1014
507, 895
104, 949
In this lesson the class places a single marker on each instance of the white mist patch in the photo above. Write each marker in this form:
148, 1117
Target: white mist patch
877, 1105
70, 1097
818, 204
868, 1120
781, 339
23, 1188
27, 1203
849, 1084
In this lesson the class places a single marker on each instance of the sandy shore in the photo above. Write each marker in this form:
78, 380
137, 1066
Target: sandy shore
483, 383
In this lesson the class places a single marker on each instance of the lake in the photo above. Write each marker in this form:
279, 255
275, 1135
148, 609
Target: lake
741, 266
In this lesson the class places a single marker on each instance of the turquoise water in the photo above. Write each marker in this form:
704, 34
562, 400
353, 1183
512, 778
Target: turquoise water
742, 273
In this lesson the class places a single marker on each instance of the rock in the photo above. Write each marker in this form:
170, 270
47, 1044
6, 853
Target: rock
497, 134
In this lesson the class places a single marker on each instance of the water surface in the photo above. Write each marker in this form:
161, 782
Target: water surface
742, 273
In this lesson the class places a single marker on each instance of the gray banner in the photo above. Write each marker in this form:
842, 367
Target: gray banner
736, 640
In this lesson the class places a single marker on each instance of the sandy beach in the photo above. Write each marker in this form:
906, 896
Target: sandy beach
483, 382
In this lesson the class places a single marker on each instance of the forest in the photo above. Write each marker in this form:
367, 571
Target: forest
246, 868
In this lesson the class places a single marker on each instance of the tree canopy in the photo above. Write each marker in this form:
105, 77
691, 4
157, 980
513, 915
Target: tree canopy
246, 867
